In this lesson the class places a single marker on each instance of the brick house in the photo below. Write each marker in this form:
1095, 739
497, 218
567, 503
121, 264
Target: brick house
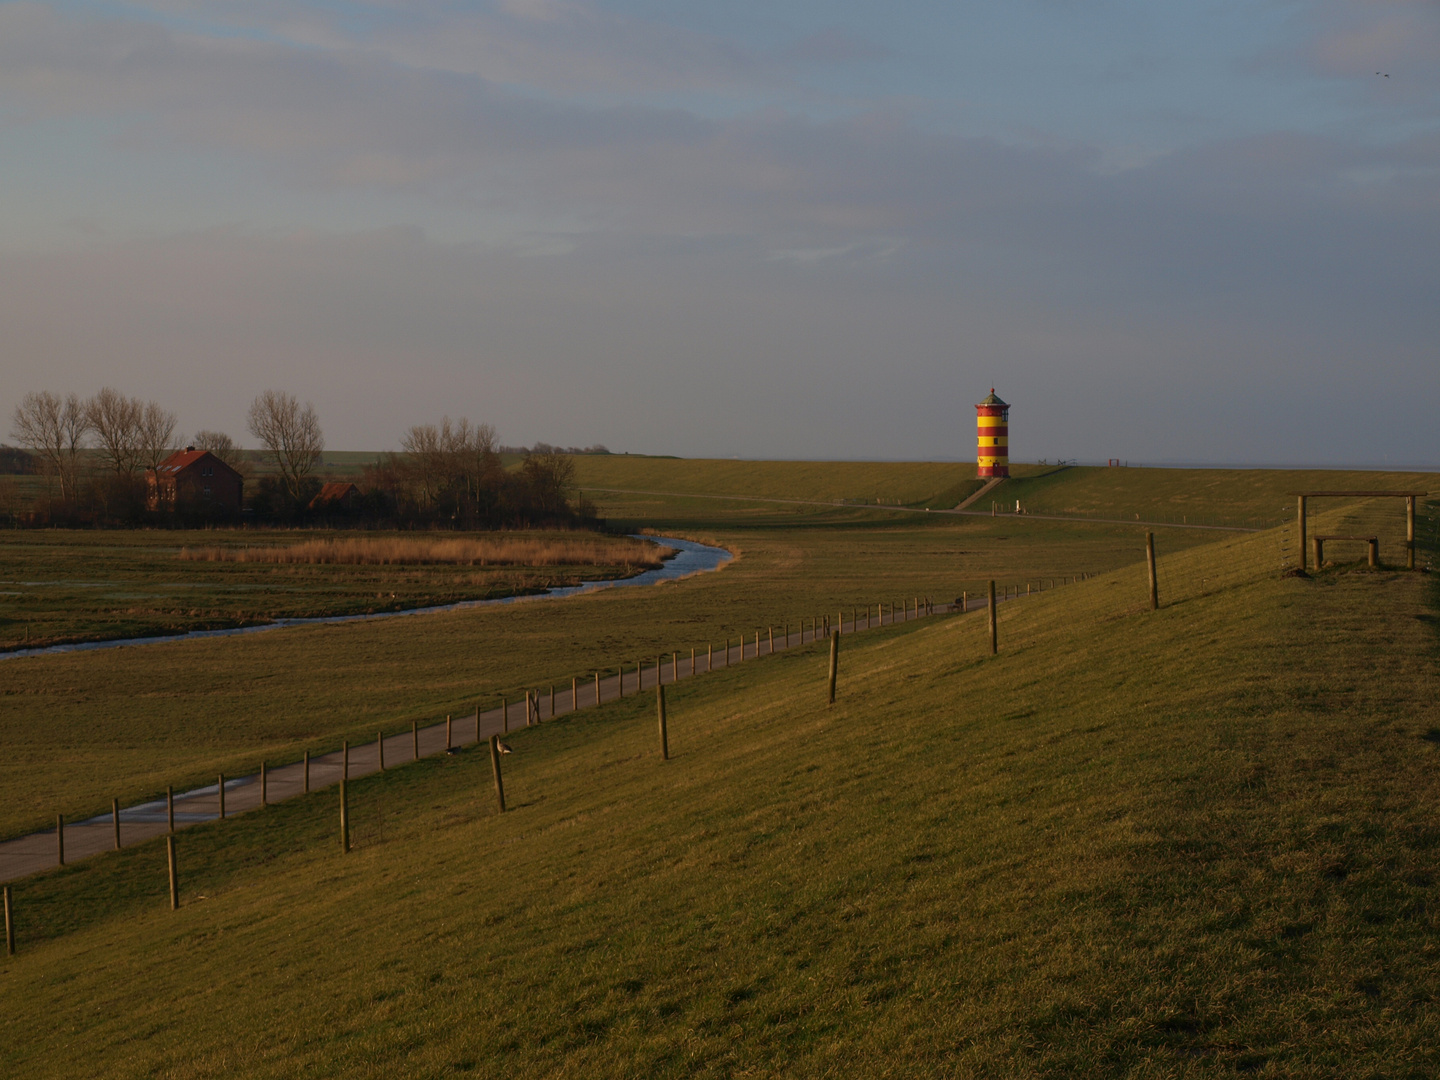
192, 480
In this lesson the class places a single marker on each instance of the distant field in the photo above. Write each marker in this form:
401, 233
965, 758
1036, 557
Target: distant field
900, 483
1247, 498
1187, 843
60, 585
76, 730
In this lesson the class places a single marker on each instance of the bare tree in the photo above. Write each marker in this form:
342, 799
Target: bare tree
115, 419
471, 450
219, 444
422, 443
290, 434
55, 430
155, 435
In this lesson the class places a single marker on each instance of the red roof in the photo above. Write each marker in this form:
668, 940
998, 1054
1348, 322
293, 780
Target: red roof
334, 491
183, 459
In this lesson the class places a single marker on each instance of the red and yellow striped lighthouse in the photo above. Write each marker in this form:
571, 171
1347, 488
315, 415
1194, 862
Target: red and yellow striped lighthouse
992, 422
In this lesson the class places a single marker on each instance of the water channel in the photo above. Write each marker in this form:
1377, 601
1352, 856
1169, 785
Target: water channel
690, 558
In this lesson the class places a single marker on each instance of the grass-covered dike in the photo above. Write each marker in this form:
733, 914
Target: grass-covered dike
1194, 842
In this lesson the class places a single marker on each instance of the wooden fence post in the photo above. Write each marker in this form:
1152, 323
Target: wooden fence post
771, 631
60, 839
170, 807
220, 794
495, 767
115, 817
380, 749
345, 759
552, 710
692, 661
674, 667
597, 688
174, 873
574, 692
9, 925
1300, 526
964, 601
834, 662
994, 628
1150, 562
709, 656
664, 735
307, 772
448, 743
344, 815
1409, 533
264, 789
620, 683
415, 738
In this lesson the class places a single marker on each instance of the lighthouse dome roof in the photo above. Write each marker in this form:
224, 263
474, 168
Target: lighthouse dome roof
993, 400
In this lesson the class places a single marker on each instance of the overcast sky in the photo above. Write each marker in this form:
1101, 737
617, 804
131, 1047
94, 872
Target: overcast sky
1164, 232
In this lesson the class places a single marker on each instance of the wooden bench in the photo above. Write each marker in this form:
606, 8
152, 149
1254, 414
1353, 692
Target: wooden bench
1373, 541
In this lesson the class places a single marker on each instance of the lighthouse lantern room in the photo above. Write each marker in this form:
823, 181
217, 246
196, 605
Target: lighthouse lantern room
992, 421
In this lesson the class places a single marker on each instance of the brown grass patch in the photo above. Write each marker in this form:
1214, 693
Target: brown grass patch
501, 550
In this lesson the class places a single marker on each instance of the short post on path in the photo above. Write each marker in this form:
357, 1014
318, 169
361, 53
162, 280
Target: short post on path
9, 924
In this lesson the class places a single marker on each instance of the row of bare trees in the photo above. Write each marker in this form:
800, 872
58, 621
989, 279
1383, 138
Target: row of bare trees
129, 435
125, 437
451, 474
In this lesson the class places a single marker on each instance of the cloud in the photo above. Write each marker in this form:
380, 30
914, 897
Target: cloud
654, 243
834, 46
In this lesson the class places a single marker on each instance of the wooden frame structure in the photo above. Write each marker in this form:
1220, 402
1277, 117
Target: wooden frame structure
1408, 496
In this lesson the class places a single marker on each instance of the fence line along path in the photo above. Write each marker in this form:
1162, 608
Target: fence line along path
73, 841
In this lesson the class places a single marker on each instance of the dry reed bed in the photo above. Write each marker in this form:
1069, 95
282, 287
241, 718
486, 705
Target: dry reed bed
502, 550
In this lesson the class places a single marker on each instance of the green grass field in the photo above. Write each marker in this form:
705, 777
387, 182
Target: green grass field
1193, 842
79, 729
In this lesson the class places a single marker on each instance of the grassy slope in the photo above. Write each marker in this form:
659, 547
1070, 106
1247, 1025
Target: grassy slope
1195, 841
1241, 497
77, 729
1247, 497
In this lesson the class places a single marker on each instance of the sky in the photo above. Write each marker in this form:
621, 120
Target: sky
1201, 232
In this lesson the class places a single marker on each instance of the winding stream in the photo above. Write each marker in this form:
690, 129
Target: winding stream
691, 558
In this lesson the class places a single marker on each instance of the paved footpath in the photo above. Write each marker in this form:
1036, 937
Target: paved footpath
83, 839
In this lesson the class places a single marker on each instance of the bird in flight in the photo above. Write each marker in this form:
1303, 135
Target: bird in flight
1386, 76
